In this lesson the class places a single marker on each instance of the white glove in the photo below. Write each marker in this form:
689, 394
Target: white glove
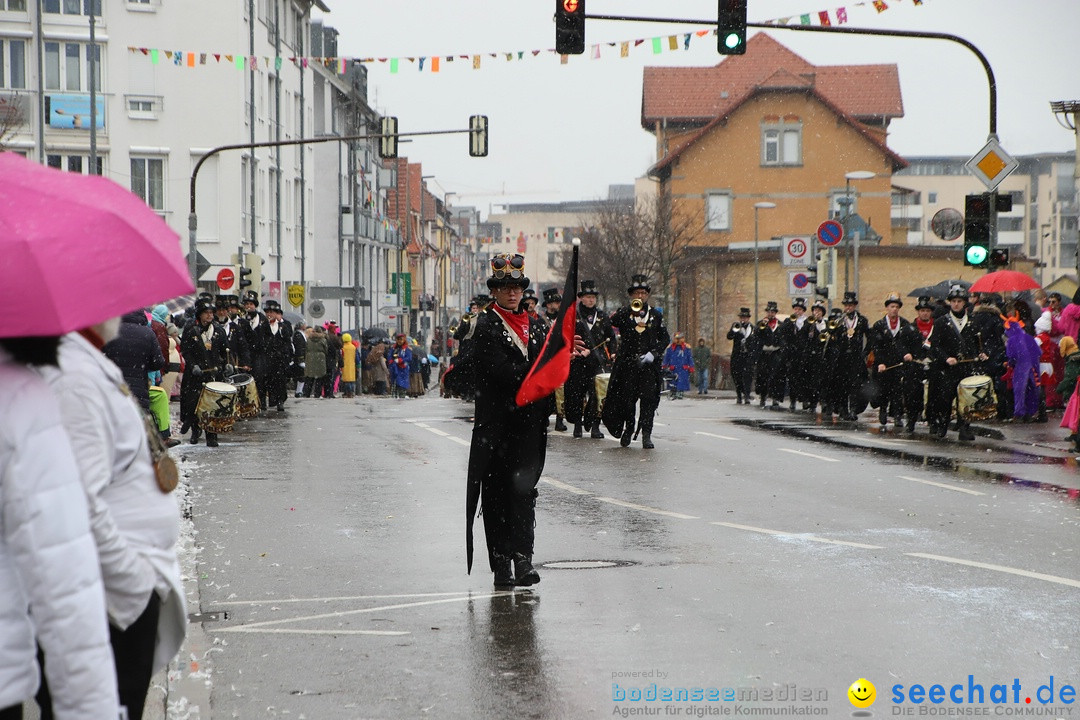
646, 358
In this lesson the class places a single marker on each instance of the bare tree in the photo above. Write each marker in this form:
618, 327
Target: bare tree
13, 116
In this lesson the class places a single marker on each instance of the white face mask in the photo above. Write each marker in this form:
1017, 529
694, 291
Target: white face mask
108, 330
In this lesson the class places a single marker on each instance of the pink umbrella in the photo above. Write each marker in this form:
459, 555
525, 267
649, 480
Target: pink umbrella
76, 250
1003, 281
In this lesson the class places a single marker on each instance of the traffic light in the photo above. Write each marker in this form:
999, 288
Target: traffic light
821, 274
388, 141
251, 273
731, 27
570, 27
478, 135
977, 219
999, 257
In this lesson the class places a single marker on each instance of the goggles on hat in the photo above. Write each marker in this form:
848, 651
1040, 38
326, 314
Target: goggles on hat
508, 264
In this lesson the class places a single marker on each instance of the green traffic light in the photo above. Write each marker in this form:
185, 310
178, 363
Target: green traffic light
977, 254
732, 41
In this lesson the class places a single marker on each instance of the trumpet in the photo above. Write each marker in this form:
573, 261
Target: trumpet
637, 305
793, 317
831, 325
761, 324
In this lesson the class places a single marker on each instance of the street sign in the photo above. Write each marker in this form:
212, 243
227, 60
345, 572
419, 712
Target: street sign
796, 251
226, 278
317, 309
392, 310
830, 233
295, 294
799, 284
991, 164
947, 224
273, 290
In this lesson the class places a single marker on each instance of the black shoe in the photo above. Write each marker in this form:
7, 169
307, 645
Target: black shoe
595, 433
625, 438
966, 435
577, 430
762, 402
911, 427
646, 441
524, 571
882, 417
281, 407
171, 442
503, 577
196, 433
211, 439
775, 404
559, 424
791, 406
185, 427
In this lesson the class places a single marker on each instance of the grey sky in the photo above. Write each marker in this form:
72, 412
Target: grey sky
565, 132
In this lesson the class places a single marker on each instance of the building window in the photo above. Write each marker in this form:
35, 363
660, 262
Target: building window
74, 163
13, 5
553, 257
148, 181
718, 211
71, 7
63, 67
12, 63
551, 236
781, 144
142, 107
931, 197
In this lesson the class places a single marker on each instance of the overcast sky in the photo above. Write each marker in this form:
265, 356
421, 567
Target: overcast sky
566, 132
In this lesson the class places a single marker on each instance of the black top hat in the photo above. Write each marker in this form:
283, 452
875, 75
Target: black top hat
234, 302
588, 287
551, 295
818, 304
205, 296
850, 298
798, 303
271, 306
744, 312
957, 291
529, 294
924, 303
480, 300
894, 297
251, 297
203, 305
508, 270
639, 282
771, 305
835, 312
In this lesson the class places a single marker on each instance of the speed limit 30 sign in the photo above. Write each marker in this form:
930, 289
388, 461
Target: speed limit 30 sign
796, 251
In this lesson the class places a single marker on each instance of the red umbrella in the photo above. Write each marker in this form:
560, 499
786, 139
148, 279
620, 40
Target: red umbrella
76, 250
1004, 281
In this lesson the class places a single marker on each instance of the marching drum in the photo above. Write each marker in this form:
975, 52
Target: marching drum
216, 407
247, 395
975, 398
602, 380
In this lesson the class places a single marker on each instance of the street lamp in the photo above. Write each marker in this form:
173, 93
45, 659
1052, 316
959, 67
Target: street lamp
854, 239
758, 206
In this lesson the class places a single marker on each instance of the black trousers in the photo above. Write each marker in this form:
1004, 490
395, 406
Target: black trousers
509, 510
742, 374
580, 393
133, 651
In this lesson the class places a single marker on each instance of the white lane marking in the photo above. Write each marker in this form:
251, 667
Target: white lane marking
1000, 568
940, 485
298, 631
420, 424
437, 431
806, 454
813, 538
714, 435
459, 441
342, 598
247, 627
563, 486
646, 508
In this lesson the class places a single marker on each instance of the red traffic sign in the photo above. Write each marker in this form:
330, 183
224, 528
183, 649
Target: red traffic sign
830, 233
800, 280
226, 278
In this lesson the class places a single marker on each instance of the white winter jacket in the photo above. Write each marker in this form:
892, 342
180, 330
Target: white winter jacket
135, 525
48, 561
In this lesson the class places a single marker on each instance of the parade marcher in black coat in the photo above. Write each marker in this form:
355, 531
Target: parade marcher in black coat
509, 443
832, 390
276, 337
917, 373
768, 344
891, 339
551, 304
794, 348
741, 336
594, 327
239, 353
814, 338
853, 340
205, 353
636, 373
136, 352
956, 353
252, 326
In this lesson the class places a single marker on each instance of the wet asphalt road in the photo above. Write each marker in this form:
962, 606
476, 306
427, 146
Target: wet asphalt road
733, 556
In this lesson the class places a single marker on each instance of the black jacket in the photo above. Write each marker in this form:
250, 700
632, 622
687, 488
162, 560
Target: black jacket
136, 352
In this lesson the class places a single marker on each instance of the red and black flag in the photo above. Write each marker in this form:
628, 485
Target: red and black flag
552, 367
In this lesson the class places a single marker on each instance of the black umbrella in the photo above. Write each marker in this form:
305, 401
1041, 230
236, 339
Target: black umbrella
939, 290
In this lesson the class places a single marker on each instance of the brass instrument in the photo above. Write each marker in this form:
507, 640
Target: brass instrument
793, 317
761, 324
637, 305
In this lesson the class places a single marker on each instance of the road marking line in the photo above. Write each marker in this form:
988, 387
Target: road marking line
645, 508
459, 441
437, 431
297, 631
800, 452
940, 485
282, 601
1000, 568
420, 424
783, 533
564, 486
714, 435
342, 613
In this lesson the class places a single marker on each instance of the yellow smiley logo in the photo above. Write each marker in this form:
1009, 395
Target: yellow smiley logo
862, 693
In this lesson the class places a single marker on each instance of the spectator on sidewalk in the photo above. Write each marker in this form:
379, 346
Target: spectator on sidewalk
702, 363
315, 363
350, 359
137, 353
376, 365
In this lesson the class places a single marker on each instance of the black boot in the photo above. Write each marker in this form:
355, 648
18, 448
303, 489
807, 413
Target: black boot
559, 424
626, 437
211, 439
196, 433
524, 572
595, 433
504, 578
646, 440
966, 435
577, 430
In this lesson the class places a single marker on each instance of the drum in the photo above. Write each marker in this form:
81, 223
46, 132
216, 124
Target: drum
975, 398
216, 407
602, 380
247, 395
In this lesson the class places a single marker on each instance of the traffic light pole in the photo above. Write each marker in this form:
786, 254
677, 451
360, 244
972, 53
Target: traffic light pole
842, 30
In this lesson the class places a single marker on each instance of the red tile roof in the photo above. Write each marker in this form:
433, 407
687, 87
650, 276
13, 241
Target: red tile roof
701, 94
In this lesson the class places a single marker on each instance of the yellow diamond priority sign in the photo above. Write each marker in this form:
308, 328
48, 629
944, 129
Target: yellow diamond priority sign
991, 164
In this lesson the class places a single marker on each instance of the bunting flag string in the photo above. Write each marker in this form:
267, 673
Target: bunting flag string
433, 63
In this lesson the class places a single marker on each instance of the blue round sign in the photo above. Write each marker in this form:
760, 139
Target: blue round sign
800, 280
830, 233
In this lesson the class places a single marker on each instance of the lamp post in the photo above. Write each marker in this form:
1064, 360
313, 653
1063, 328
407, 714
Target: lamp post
758, 206
853, 240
